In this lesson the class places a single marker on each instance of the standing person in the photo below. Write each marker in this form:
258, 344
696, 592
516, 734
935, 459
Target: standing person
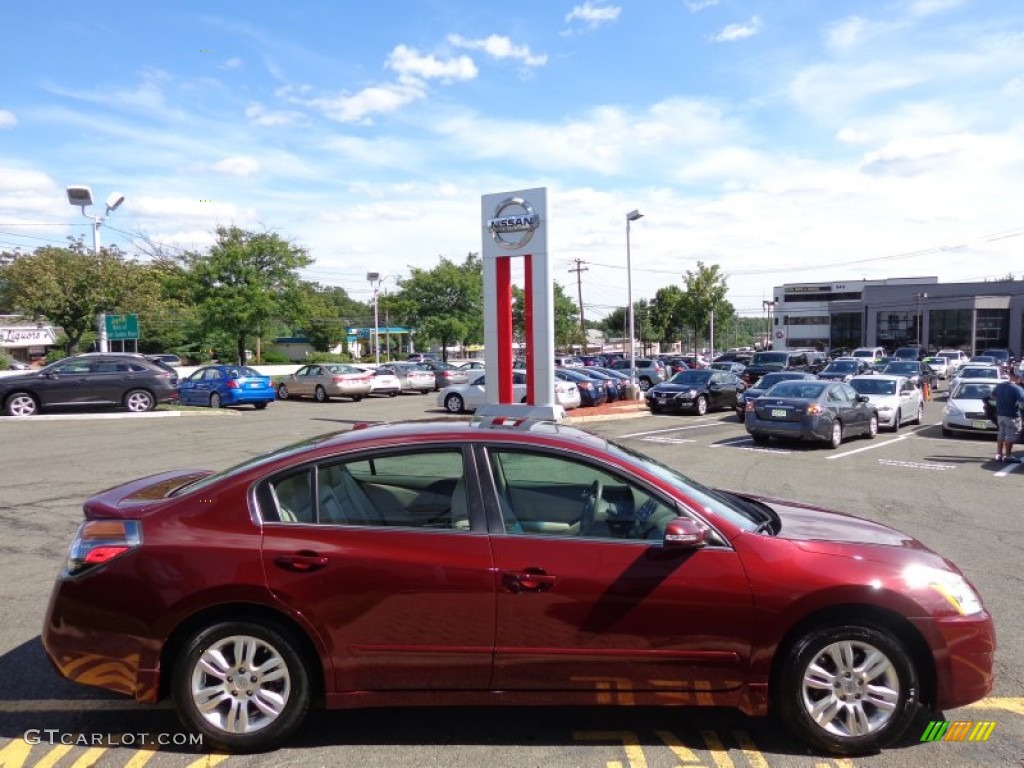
1009, 397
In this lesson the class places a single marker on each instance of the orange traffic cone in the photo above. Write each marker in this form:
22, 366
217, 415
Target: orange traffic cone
927, 390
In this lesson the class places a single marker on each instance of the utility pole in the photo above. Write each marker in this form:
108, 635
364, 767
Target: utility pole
579, 270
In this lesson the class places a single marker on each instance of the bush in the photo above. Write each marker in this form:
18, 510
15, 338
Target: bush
5, 361
327, 357
275, 358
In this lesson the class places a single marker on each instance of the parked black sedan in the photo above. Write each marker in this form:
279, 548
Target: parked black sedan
843, 370
699, 390
811, 410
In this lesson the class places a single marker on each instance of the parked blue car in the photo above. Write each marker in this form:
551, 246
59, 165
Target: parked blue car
222, 385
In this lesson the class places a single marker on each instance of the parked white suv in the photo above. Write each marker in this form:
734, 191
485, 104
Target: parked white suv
957, 359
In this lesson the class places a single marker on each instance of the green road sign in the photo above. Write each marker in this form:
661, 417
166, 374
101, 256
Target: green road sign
120, 327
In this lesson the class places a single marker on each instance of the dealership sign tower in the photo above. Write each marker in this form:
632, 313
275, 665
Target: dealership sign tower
515, 224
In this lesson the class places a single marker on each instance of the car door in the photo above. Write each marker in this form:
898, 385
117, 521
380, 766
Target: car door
587, 597
68, 384
909, 398
305, 380
187, 387
857, 414
387, 555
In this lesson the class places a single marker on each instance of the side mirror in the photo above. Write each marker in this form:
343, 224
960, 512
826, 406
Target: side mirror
684, 533
863, 399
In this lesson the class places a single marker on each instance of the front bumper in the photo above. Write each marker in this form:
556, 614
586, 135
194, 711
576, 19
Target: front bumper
964, 649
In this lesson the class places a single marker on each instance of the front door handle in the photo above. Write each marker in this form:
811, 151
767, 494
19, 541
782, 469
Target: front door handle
527, 580
301, 562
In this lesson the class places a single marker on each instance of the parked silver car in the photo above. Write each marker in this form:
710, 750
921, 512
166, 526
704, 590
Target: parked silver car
322, 381
414, 378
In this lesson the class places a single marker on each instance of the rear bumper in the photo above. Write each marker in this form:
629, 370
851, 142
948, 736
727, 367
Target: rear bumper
794, 430
244, 396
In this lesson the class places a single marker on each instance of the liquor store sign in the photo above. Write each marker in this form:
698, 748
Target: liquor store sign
22, 336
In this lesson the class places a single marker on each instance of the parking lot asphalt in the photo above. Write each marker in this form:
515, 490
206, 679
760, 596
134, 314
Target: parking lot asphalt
945, 491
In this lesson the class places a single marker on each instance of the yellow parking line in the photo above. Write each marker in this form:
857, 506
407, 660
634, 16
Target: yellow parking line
754, 756
717, 750
141, 757
1013, 704
207, 761
90, 758
52, 757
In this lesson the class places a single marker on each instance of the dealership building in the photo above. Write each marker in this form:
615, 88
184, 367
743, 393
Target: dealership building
898, 312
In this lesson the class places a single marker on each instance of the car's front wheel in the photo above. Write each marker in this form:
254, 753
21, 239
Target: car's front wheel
139, 401
702, 405
454, 403
847, 690
21, 404
645, 384
920, 414
243, 686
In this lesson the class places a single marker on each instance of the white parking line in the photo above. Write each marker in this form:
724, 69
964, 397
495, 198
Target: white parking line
747, 444
668, 440
1009, 468
915, 464
874, 444
674, 429
90, 416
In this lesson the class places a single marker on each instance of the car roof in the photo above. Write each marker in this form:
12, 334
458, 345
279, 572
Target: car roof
878, 377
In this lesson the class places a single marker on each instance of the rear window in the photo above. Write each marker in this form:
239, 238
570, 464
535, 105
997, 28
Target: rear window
769, 358
800, 389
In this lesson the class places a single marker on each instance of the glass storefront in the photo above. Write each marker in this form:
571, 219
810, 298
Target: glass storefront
845, 330
896, 329
949, 328
993, 329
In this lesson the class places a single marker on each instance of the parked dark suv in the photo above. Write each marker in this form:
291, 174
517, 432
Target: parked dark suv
91, 379
770, 362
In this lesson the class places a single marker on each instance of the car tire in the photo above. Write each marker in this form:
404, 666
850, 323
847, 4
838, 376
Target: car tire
139, 401
356, 398
392, 394
454, 403
760, 438
920, 414
282, 392
897, 420
215, 401
847, 690
645, 384
702, 405
836, 436
21, 404
208, 700
260, 406
320, 394
741, 415
872, 426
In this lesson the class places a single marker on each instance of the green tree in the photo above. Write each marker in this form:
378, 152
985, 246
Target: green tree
444, 304
68, 286
244, 283
668, 315
705, 292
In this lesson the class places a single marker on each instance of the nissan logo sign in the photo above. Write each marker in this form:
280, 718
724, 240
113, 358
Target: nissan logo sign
513, 228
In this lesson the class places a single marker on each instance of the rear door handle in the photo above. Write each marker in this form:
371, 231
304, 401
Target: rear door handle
527, 580
301, 562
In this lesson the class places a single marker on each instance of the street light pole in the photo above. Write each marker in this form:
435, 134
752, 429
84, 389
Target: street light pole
374, 279
630, 218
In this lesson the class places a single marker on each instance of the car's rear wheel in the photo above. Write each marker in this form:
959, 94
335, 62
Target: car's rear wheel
847, 689
392, 394
836, 436
454, 403
702, 405
920, 414
243, 685
897, 420
356, 398
259, 406
21, 404
320, 394
282, 391
645, 384
139, 401
215, 401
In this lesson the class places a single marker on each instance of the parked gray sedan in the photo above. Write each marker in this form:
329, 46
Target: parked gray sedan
414, 377
323, 381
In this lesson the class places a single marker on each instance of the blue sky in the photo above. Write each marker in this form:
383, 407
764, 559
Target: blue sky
785, 140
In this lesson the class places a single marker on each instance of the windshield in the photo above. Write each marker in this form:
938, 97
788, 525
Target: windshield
802, 390
843, 367
864, 353
769, 358
979, 373
691, 378
972, 391
873, 386
902, 367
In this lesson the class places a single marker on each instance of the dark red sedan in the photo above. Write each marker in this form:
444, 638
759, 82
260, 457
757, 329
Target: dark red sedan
501, 562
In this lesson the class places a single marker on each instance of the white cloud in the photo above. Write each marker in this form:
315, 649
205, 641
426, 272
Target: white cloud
411, 65
239, 165
357, 107
593, 15
263, 116
164, 207
7, 119
696, 6
932, 7
232, 63
500, 47
845, 34
734, 32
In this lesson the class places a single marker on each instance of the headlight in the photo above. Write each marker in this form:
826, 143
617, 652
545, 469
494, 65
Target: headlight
951, 586
884, 408
951, 410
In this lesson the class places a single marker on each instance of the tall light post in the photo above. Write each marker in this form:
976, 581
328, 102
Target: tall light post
630, 218
374, 279
82, 197
920, 316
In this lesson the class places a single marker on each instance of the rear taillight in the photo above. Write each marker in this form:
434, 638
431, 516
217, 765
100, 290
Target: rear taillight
100, 541
232, 384
337, 379
814, 408
749, 406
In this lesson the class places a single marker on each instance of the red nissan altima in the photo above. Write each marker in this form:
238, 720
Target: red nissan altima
504, 562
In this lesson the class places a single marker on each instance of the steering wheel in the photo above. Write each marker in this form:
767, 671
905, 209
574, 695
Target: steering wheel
590, 507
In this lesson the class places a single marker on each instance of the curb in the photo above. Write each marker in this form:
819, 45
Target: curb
606, 417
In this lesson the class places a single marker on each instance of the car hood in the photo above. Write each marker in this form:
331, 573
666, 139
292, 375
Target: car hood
19, 378
669, 389
882, 400
816, 529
